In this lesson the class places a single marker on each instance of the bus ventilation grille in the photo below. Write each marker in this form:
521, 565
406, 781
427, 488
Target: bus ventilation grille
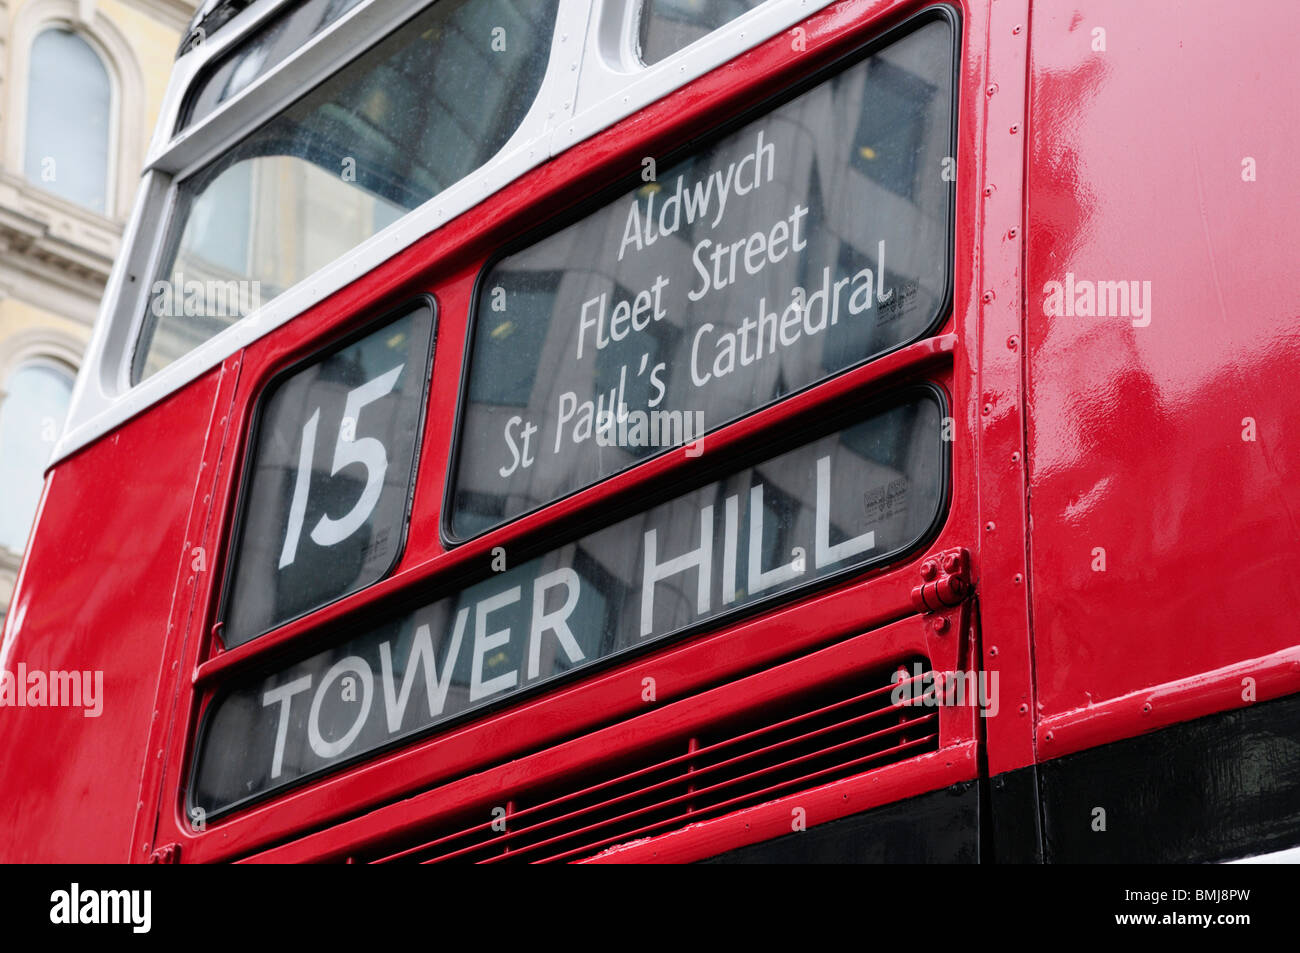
782, 748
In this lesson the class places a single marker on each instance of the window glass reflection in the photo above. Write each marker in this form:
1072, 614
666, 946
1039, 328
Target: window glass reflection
813, 238
258, 55
415, 114
670, 25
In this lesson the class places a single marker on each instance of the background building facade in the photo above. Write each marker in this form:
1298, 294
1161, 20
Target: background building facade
81, 82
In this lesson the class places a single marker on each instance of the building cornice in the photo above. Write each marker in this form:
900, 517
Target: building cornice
41, 232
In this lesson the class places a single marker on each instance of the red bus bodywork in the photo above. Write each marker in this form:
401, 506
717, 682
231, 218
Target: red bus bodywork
1121, 490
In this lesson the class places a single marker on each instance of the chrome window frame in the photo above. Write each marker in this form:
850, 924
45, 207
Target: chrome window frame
594, 78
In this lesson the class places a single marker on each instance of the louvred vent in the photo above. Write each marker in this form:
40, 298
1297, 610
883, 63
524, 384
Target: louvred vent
825, 735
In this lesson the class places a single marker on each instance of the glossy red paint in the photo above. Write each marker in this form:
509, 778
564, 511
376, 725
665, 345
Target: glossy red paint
446, 264
642, 726
104, 581
1069, 426
995, 410
1137, 172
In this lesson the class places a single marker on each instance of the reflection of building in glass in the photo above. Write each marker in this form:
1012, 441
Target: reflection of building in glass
405, 120
80, 88
670, 25
888, 144
236, 70
807, 241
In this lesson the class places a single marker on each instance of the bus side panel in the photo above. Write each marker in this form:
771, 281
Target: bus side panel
1163, 324
94, 596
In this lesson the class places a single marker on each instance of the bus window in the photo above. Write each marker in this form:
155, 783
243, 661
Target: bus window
330, 477
670, 25
412, 116
270, 46
811, 239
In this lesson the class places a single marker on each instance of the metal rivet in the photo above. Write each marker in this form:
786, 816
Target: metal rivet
989, 526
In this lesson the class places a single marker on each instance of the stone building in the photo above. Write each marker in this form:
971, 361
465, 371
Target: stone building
81, 82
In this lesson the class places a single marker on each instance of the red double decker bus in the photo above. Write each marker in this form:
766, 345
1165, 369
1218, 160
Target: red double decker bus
658, 430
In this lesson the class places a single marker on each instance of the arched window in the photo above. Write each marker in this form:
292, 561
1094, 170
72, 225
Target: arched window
32, 412
69, 107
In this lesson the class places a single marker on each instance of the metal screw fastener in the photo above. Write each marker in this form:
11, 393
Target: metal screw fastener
951, 562
1019, 579
992, 88
1013, 232
1012, 342
988, 296
993, 651
941, 625
928, 569
989, 526
1024, 709
1015, 456
1015, 128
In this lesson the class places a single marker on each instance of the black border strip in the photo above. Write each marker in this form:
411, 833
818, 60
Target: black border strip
418, 596
268, 390
1219, 787
620, 188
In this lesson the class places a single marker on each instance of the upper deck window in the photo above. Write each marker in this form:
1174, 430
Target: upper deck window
263, 51
415, 114
670, 25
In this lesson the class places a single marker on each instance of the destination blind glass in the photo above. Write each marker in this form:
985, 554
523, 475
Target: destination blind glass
806, 242
863, 494
329, 479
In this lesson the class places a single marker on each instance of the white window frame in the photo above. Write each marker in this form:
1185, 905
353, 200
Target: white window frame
594, 79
